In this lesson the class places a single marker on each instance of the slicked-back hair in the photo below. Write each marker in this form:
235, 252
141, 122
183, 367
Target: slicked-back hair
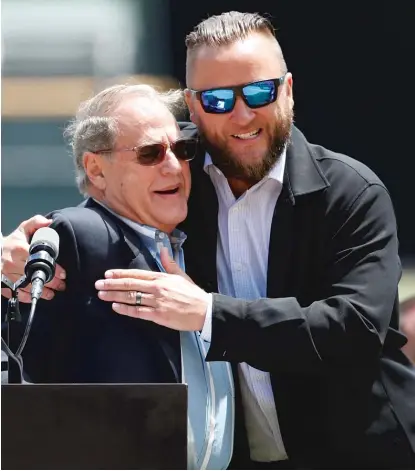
227, 28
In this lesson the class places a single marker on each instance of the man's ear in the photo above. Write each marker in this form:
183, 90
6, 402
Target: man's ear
289, 88
93, 165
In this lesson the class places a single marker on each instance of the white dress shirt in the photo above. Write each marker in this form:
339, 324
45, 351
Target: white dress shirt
244, 227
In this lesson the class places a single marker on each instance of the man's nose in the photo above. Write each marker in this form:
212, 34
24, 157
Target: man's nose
242, 114
171, 164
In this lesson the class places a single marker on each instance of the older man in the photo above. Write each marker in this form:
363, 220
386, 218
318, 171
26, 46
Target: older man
133, 166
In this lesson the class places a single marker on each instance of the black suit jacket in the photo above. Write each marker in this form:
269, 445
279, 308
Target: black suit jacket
328, 332
76, 337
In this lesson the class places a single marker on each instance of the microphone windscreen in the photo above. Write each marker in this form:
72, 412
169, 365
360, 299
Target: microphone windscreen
48, 236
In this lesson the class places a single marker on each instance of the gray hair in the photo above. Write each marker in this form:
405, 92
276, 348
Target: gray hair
95, 127
227, 28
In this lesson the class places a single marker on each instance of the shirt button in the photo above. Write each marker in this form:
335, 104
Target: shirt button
238, 266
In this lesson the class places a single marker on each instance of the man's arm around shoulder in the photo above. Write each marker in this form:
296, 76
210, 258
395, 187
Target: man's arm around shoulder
349, 324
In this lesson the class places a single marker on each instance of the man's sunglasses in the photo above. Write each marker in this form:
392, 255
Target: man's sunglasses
153, 154
255, 95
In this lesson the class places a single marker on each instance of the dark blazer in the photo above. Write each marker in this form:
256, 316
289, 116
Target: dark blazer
328, 332
76, 337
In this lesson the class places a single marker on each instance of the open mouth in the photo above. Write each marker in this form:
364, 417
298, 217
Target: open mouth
170, 191
248, 135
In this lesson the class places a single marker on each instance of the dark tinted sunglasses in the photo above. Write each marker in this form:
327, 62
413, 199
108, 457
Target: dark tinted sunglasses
255, 95
153, 154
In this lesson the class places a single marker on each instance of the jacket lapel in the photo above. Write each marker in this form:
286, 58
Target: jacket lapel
141, 257
302, 177
201, 227
143, 260
280, 243
167, 339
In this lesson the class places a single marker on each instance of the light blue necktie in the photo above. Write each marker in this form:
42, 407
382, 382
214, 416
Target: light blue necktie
193, 373
210, 396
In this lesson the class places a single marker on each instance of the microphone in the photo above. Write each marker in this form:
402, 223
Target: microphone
40, 266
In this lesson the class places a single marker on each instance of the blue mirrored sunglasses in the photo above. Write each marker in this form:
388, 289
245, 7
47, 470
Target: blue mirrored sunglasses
255, 95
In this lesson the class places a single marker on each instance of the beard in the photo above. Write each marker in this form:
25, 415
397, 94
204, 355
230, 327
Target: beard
232, 166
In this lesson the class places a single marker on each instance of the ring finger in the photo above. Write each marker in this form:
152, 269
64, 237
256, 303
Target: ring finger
128, 297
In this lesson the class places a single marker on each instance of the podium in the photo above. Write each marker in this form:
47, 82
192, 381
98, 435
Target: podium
94, 426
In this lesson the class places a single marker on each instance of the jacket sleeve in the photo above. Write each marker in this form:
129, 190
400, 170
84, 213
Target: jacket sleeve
349, 324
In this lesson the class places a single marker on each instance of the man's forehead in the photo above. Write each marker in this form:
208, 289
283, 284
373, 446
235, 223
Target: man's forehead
140, 108
145, 119
256, 53
163, 132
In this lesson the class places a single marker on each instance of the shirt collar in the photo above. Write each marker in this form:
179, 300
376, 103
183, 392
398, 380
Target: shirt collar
177, 237
276, 172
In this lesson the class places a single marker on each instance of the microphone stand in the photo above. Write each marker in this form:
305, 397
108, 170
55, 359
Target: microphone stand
13, 315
